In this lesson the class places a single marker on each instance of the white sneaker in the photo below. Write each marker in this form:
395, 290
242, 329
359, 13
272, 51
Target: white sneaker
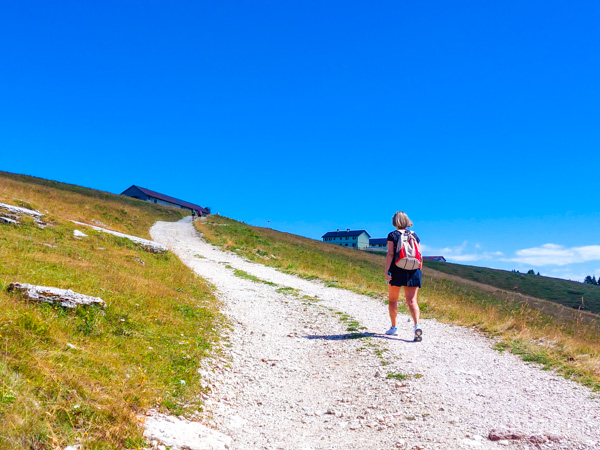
418, 334
393, 331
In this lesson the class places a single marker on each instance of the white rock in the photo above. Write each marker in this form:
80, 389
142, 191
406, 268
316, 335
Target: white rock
63, 297
180, 434
20, 211
472, 443
148, 245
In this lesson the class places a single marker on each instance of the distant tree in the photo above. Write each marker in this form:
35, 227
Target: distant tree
530, 272
594, 280
538, 274
590, 280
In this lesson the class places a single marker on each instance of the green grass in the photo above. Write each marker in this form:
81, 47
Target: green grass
397, 376
506, 316
568, 293
247, 276
82, 376
287, 290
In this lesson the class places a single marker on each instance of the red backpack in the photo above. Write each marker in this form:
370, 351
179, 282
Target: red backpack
408, 256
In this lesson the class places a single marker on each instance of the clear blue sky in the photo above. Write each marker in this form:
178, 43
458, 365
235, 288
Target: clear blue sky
481, 120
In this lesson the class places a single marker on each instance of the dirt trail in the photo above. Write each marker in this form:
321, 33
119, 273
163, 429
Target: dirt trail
295, 377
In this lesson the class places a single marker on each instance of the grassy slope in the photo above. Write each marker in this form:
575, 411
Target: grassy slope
159, 322
567, 293
555, 337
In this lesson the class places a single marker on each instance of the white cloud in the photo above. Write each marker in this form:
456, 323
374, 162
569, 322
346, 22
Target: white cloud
458, 253
552, 259
467, 257
557, 255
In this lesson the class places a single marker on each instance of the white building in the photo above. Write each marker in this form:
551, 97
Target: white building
348, 238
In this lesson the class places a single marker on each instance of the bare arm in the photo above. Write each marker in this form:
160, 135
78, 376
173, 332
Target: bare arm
388, 259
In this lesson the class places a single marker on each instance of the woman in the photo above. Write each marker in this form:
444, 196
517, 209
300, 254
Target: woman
397, 277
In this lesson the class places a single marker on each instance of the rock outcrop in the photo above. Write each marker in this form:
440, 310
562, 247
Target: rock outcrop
150, 246
10, 214
61, 297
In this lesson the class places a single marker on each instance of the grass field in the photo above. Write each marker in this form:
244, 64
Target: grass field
81, 376
568, 293
556, 337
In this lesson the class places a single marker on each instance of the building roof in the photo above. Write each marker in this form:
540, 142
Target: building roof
434, 258
166, 198
348, 233
377, 241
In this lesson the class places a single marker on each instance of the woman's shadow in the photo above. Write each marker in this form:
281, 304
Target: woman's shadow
347, 336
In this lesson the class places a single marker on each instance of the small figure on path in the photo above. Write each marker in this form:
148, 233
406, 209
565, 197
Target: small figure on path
403, 264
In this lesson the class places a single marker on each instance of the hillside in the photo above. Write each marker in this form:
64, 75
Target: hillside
81, 376
568, 293
538, 330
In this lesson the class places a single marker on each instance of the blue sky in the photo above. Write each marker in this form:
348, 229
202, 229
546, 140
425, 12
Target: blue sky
479, 119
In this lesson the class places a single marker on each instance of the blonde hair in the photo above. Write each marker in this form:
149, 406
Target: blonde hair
401, 221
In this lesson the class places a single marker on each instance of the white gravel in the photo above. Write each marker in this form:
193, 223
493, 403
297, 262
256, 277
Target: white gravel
293, 378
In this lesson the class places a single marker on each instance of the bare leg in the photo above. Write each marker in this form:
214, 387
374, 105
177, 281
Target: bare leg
394, 293
411, 301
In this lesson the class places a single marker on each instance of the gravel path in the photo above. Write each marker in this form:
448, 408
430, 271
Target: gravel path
294, 377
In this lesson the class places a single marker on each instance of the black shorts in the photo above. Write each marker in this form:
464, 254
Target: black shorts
401, 277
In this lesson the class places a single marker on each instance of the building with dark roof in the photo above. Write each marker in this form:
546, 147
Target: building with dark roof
161, 199
434, 258
378, 243
348, 238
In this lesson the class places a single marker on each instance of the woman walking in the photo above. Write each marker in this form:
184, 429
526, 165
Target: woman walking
398, 277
